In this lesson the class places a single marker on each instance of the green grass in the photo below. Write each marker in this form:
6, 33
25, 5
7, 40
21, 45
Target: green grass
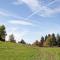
13, 51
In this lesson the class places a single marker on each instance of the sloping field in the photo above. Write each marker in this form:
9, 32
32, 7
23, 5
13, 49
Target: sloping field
13, 51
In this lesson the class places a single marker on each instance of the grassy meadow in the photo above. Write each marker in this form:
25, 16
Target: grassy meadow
13, 51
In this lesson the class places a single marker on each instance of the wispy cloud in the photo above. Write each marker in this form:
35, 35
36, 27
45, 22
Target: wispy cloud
3, 13
38, 8
7, 13
21, 22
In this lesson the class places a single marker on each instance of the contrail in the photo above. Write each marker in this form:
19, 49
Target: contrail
53, 1
39, 10
33, 13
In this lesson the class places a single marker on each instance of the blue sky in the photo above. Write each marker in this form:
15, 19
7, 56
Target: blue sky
30, 19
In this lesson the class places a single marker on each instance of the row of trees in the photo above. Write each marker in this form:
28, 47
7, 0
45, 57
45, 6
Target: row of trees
3, 35
12, 39
49, 40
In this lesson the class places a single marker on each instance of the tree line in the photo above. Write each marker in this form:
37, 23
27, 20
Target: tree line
50, 40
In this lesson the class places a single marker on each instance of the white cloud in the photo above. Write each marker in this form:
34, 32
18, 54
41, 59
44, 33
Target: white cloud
18, 35
37, 7
21, 22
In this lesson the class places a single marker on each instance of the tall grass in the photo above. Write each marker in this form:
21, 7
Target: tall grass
13, 51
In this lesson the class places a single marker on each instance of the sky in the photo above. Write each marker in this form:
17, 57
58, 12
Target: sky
30, 19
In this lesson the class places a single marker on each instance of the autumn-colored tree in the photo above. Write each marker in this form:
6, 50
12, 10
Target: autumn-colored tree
48, 42
36, 43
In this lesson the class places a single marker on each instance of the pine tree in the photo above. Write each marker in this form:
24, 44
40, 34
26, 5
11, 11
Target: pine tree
54, 39
2, 33
22, 41
58, 40
42, 41
11, 38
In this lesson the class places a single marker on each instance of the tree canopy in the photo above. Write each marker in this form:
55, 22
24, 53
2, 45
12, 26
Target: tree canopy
2, 33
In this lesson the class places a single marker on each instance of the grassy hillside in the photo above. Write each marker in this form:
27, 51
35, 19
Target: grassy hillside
13, 51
